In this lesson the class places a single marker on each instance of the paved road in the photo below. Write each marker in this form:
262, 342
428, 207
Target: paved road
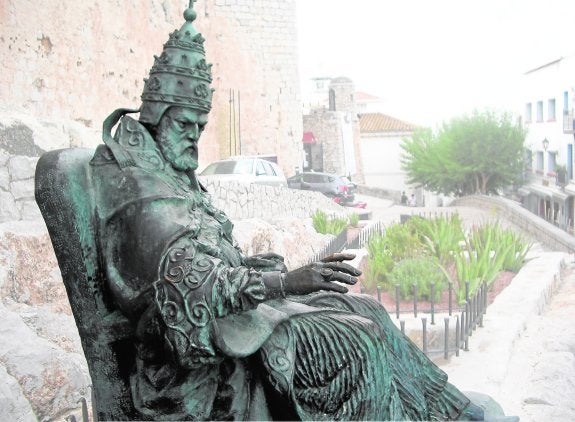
541, 375
537, 380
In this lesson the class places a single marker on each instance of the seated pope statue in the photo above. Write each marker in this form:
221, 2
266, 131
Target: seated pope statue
220, 335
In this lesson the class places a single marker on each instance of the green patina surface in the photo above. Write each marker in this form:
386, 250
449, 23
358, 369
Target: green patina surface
176, 323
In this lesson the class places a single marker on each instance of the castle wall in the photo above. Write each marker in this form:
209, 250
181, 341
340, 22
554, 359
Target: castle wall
74, 60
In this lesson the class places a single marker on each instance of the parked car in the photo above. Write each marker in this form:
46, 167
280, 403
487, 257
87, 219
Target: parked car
337, 187
246, 170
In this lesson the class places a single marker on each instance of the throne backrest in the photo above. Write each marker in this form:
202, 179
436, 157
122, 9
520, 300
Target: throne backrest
64, 192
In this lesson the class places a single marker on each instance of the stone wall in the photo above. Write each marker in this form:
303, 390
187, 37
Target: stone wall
326, 128
79, 60
546, 233
241, 201
337, 132
22, 140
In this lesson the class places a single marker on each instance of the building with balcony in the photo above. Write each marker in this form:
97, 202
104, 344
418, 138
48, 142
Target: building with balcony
548, 104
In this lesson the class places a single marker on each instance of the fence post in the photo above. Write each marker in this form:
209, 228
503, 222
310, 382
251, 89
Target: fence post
424, 335
450, 297
482, 304
432, 303
446, 337
457, 335
379, 294
467, 325
402, 324
485, 301
397, 300
414, 300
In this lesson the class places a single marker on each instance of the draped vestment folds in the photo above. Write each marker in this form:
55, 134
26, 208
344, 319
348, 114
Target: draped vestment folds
213, 342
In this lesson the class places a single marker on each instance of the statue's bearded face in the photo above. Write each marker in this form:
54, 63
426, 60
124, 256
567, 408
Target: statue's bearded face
178, 134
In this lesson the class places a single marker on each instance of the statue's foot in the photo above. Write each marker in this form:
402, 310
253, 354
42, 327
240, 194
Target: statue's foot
492, 411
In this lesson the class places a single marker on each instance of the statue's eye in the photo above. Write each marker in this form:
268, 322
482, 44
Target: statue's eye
181, 125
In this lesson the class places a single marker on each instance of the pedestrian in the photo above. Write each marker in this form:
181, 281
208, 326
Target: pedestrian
412, 201
403, 198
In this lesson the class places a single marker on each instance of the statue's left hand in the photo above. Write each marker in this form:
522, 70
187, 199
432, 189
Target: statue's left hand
321, 275
266, 262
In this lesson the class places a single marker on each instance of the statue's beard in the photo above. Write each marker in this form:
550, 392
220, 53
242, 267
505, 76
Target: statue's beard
180, 162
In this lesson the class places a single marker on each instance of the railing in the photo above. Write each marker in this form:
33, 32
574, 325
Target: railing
377, 228
465, 317
337, 244
460, 320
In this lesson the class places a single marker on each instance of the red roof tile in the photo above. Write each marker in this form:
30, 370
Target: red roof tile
379, 122
364, 96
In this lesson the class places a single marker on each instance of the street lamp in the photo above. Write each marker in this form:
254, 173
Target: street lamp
545, 143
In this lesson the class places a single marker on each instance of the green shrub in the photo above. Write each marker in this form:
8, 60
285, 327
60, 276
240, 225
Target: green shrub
354, 219
402, 241
488, 250
423, 272
398, 242
403, 253
327, 225
441, 236
380, 265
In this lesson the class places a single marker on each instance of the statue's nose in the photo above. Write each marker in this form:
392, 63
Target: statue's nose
193, 132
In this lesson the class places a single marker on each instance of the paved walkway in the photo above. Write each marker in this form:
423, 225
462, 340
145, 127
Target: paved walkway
524, 356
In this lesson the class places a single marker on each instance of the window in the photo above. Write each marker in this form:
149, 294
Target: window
269, 169
528, 113
260, 170
551, 109
539, 162
539, 111
312, 178
331, 100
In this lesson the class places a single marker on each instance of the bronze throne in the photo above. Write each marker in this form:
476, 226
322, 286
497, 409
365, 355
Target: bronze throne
64, 194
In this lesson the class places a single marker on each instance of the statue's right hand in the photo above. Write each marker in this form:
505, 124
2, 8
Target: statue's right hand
320, 276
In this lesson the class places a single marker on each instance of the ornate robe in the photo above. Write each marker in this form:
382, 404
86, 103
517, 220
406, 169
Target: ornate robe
213, 343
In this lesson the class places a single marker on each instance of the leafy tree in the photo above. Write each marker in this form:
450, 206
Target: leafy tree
472, 154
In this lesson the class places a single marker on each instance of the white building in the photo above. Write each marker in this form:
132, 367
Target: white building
381, 137
548, 102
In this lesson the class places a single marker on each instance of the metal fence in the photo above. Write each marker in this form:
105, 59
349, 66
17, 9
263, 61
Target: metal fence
377, 228
337, 244
459, 319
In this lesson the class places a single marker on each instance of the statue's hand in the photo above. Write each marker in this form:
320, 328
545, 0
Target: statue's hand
266, 262
320, 275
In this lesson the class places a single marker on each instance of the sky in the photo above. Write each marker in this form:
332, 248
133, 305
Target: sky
431, 60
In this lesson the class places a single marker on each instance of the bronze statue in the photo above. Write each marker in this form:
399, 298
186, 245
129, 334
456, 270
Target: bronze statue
176, 323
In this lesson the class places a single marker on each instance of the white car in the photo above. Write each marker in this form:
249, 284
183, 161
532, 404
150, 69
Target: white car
245, 170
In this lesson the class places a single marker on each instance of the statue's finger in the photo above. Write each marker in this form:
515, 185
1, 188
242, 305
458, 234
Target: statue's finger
334, 287
344, 278
339, 257
343, 267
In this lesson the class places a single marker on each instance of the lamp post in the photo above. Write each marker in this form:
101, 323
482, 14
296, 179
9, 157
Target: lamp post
545, 143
